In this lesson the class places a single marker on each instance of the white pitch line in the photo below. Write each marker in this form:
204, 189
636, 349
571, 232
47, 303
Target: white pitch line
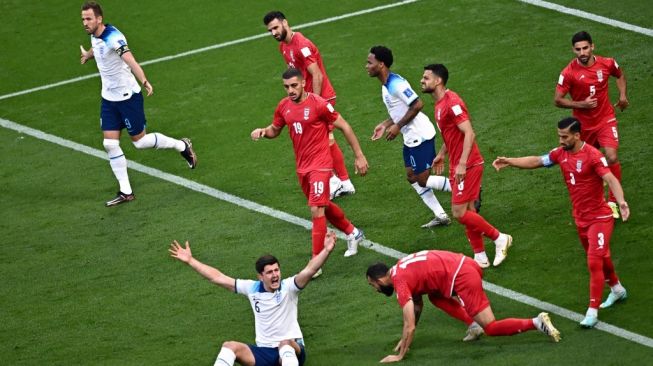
212, 47
253, 206
590, 16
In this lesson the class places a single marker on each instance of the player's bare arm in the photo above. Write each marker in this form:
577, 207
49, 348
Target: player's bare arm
407, 334
561, 101
411, 113
185, 255
269, 132
380, 129
360, 160
618, 192
461, 170
85, 54
525, 162
138, 72
622, 103
438, 161
318, 78
304, 277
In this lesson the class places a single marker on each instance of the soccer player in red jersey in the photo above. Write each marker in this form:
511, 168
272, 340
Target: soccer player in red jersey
452, 282
310, 118
465, 164
586, 80
584, 170
300, 53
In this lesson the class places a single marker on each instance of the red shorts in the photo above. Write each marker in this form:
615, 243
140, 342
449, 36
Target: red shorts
468, 190
596, 237
604, 136
315, 185
468, 286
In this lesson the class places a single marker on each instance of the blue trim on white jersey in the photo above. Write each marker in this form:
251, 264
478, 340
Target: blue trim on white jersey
109, 30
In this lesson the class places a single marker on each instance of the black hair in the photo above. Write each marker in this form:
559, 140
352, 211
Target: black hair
291, 72
440, 70
377, 270
274, 14
97, 9
383, 54
581, 36
265, 260
570, 122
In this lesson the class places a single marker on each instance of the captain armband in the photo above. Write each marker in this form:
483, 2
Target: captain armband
546, 160
122, 50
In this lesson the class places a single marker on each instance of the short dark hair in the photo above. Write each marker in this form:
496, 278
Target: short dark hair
377, 270
383, 54
440, 70
581, 36
265, 260
291, 72
274, 14
570, 122
97, 9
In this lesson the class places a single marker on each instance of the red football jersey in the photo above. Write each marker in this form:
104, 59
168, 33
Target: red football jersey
300, 53
583, 172
581, 82
450, 111
425, 272
309, 123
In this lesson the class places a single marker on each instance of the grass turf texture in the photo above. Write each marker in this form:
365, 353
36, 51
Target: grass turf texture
89, 285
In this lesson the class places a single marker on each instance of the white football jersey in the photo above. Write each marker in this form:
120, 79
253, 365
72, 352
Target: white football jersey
397, 97
118, 82
275, 313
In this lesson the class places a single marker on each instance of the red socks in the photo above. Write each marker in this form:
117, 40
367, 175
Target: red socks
609, 272
337, 218
475, 239
476, 222
510, 326
338, 162
597, 280
318, 233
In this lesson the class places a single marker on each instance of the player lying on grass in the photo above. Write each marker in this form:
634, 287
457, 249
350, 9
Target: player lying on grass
279, 339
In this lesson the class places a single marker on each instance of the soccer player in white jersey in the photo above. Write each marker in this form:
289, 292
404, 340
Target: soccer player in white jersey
279, 340
404, 107
122, 101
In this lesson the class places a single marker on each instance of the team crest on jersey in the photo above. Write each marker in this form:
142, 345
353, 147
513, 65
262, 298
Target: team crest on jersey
599, 75
579, 165
307, 111
277, 296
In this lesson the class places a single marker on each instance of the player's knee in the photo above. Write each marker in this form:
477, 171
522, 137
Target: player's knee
233, 346
141, 144
111, 145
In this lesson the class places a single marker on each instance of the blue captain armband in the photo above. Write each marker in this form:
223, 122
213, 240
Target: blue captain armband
546, 161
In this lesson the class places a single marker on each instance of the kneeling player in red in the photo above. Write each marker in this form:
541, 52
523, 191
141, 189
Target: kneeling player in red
447, 278
310, 119
584, 170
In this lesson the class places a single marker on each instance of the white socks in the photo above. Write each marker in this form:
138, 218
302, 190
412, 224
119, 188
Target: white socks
439, 183
159, 141
618, 288
426, 194
226, 357
288, 356
118, 164
592, 313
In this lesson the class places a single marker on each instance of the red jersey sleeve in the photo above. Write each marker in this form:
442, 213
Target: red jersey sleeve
554, 155
278, 120
614, 68
599, 164
564, 81
403, 292
327, 112
458, 111
308, 52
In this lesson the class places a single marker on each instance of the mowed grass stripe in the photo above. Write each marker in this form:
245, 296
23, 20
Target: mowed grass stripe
253, 206
212, 47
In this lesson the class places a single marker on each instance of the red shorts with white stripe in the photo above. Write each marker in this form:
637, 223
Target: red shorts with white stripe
468, 286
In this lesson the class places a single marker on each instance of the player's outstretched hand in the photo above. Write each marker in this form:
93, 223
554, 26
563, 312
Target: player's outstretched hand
148, 88
500, 162
438, 165
391, 358
330, 241
179, 252
625, 210
361, 166
257, 133
85, 55
393, 131
378, 131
